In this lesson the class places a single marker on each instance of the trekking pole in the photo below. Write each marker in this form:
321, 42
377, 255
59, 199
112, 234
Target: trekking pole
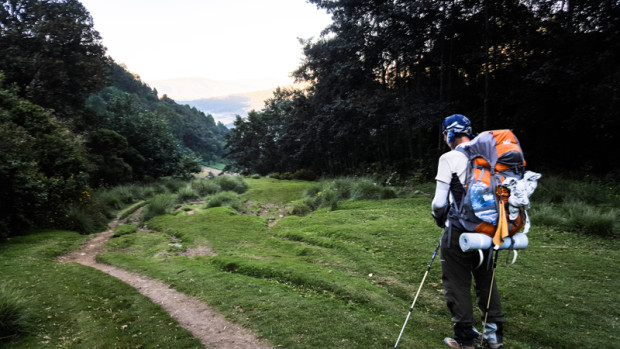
486, 313
417, 293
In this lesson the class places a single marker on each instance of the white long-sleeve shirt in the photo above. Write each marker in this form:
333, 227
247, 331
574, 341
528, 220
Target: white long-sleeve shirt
451, 162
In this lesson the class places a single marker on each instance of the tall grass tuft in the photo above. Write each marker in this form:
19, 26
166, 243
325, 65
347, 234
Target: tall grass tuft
160, 204
187, 193
108, 199
589, 220
15, 317
299, 208
366, 189
322, 195
588, 206
225, 198
546, 214
577, 216
559, 190
79, 219
173, 185
205, 186
232, 183
329, 193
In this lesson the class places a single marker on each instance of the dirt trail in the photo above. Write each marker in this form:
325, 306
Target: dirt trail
205, 324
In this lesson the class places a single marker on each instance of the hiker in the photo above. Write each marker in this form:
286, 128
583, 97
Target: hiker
458, 267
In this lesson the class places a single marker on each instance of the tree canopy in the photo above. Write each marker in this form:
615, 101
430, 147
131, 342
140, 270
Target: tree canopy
71, 119
51, 52
385, 73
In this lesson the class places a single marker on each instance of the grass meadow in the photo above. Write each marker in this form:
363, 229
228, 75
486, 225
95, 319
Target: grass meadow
341, 274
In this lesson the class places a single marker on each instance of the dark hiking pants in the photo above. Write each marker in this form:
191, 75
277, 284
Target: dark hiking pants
457, 268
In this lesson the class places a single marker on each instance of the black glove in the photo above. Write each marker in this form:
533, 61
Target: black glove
441, 223
440, 216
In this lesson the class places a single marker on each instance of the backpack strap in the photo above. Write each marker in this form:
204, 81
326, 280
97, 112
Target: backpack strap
458, 194
457, 190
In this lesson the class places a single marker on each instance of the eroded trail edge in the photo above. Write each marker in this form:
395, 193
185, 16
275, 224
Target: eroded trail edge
213, 330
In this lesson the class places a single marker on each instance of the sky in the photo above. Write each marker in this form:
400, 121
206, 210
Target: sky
213, 39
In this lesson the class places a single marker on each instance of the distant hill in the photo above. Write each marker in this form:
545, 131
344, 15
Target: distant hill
193, 88
223, 99
225, 108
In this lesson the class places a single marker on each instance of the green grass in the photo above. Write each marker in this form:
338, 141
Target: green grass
272, 190
124, 229
333, 278
73, 306
345, 278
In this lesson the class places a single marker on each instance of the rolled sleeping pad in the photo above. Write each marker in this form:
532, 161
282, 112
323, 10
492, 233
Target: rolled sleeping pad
478, 241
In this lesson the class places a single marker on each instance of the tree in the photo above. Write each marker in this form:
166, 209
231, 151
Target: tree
385, 73
50, 51
147, 132
42, 168
107, 153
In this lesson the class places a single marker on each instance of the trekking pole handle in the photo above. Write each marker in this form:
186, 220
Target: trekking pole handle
433, 257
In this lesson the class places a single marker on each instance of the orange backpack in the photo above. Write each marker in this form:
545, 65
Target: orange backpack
493, 157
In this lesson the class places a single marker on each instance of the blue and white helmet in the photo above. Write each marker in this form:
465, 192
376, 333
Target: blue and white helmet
455, 124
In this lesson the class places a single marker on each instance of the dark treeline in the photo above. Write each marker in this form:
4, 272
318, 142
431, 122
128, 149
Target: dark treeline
386, 72
71, 119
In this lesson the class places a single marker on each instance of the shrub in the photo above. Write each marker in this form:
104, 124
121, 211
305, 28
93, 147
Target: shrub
232, 183
255, 176
305, 175
15, 317
286, 176
205, 186
225, 198
124, 230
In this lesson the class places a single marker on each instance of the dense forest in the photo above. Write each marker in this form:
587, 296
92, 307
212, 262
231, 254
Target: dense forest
379, 81
386, 72
72, 120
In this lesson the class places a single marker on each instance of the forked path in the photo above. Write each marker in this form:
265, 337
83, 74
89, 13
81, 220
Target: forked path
205, 324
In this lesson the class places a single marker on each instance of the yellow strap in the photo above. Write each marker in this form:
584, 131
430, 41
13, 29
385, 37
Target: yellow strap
502, 226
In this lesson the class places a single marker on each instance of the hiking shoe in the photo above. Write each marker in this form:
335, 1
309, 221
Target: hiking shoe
452, 343
496, 345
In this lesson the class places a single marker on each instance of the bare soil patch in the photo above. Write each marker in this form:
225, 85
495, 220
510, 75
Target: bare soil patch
213, 330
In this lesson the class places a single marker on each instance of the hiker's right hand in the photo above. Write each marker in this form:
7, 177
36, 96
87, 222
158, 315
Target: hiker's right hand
440, 221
